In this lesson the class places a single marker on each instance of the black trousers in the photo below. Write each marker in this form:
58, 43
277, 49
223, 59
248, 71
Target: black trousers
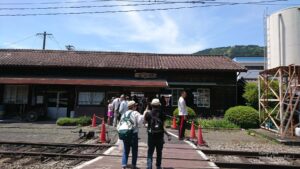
182, 126
154, 144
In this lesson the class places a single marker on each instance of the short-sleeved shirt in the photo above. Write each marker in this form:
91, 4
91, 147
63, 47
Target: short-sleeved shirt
182, 107
116, 103
136, 117
148, 118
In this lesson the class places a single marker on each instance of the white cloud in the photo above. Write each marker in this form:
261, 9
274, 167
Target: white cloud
15, 46
158, 32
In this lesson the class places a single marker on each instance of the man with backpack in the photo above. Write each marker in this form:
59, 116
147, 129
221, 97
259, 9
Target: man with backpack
156, 131
128, 133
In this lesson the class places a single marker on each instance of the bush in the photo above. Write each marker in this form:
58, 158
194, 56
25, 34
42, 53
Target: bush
251, 94
216, 123
191, 112
243, 116
66, 121
168, 123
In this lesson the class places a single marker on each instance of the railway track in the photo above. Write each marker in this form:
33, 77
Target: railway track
253, 160
43, 155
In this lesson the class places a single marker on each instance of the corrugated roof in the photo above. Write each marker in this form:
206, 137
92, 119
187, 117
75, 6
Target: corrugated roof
121, 60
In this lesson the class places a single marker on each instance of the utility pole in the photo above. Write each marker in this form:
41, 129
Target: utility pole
45, 34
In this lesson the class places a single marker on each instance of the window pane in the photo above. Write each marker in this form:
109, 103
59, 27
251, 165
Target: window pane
203, 99
16, 94
97, 98
84, 98
90, 98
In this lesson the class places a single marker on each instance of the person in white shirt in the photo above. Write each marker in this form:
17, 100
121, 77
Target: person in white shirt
123, 106
182, 114
116, 105
137, 119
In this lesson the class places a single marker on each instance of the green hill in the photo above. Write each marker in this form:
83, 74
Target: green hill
232, 51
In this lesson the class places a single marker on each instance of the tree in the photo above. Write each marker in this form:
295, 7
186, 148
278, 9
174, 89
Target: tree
251, 94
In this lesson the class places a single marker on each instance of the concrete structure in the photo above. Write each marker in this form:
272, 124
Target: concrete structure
283, 42
253, 64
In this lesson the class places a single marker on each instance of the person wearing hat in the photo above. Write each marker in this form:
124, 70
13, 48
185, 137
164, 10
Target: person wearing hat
137, 119
156, 131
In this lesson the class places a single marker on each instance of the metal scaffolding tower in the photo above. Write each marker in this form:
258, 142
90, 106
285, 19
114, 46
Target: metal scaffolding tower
279, 104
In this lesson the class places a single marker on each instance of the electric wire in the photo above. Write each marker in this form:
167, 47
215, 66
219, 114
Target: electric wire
18, 41
203, 4
110, 11
100, 6
73, 2
140, 4
55, 41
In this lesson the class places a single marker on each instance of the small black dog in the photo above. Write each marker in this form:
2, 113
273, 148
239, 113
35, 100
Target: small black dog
86, 135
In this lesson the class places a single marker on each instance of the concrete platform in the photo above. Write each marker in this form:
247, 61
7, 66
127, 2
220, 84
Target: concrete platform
292, 141
176, 155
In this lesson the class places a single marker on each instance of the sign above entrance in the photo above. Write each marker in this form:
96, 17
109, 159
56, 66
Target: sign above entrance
144, 75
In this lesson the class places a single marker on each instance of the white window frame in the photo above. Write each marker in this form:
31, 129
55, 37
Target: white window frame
15, 94
90, 98
202, 97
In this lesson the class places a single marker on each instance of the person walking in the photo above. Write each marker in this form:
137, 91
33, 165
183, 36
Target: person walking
116, 105
110, 112
123, 106
182, 115
136, 118
156, 130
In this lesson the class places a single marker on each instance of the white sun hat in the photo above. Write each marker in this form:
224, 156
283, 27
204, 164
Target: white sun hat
131, 103
155, 102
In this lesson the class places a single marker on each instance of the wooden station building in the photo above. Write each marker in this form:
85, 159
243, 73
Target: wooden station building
62, 83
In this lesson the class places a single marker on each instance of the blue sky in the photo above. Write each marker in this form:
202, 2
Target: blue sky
173, 31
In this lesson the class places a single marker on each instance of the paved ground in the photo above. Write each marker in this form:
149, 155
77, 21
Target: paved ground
242, 140
48, 131
294, 141
176, 155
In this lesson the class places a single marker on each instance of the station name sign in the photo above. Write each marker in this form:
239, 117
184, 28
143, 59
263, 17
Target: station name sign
145, 75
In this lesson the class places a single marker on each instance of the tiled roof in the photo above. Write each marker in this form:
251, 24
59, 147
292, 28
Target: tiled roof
119, 60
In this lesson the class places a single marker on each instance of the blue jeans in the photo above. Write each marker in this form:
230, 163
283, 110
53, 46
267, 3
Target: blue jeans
133, 143
154, 143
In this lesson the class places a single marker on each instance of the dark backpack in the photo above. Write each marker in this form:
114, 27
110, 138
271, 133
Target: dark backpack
155, 125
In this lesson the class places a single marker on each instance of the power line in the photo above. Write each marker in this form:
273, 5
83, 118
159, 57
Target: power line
109, 11
55, 41
212, 4
132, 1
73, 2
21, 40
102, 6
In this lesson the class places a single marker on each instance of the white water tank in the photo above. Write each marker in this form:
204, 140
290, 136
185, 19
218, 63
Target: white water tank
283, 38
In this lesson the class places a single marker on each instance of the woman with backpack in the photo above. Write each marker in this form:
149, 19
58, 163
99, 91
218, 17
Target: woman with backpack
128, 133
156, 131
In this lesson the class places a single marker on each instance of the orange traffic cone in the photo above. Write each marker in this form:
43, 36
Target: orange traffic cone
94, 121
200, 137
193, 133
103, 133
174, 125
